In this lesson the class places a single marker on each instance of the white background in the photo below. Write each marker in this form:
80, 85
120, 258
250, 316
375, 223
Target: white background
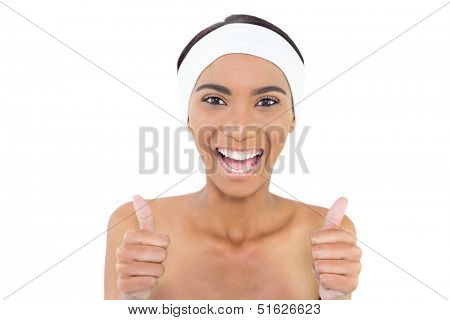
69, 132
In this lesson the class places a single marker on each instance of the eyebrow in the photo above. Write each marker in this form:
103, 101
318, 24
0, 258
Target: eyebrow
227, 91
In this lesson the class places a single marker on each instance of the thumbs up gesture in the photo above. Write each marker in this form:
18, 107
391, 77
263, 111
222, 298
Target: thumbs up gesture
139, 257
336, 258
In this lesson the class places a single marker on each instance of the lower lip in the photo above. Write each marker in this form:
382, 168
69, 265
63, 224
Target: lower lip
229, 172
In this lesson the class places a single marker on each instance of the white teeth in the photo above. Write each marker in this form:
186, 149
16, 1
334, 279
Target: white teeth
239, 155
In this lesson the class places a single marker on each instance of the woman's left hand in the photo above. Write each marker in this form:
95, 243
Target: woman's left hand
336, 258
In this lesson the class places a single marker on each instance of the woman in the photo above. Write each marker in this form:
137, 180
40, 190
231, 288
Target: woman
233, 239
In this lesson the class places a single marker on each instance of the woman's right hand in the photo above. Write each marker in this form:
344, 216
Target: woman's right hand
139, 257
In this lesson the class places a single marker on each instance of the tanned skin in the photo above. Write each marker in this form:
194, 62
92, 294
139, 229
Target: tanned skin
233, 239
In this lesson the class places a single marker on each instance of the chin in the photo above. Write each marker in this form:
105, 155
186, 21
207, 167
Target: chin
237, 190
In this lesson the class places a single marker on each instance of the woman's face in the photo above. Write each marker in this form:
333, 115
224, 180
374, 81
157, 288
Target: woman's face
240, 114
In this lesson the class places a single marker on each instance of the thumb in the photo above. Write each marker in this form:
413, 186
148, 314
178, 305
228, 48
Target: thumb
143, 213
335, 214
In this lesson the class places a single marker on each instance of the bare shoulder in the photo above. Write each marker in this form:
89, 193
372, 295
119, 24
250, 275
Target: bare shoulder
313, 216
163, 210
124, 215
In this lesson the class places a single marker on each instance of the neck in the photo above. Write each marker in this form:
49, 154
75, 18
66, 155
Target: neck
234, 218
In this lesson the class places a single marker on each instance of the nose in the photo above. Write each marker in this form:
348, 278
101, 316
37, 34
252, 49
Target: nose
240, 123
240, 130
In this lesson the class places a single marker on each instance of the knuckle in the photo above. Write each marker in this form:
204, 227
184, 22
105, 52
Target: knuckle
120, 269
123, 285
325, 281
162, 269
123, 252
315, 250
348, 246
358, 252
152, 281
161, 237
161, 253
119, 252
351, 238
317, 265
128, 235
313, 236
358, 267
166, 238
354, 284
319, 236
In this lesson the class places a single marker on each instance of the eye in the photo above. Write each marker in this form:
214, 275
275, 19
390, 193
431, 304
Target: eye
215, 100
268, 101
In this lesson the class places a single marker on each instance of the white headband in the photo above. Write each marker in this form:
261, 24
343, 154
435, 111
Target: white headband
240, 38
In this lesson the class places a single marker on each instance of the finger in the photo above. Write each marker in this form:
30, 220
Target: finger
331, 236
315, 273
143, 213
137, 252
131, 285
335, 214
342, 267
339, 250
338, 282
137, 268
145, 237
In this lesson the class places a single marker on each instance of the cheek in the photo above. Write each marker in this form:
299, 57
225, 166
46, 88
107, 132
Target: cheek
276, 137
203, 137
199, 112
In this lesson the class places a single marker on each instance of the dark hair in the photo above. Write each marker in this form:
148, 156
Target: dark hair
236, 18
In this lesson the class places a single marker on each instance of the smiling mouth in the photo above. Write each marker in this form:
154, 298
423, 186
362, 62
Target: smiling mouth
239, 162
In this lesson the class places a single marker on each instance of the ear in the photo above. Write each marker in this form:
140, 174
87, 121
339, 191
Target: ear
292, 126
189, 127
